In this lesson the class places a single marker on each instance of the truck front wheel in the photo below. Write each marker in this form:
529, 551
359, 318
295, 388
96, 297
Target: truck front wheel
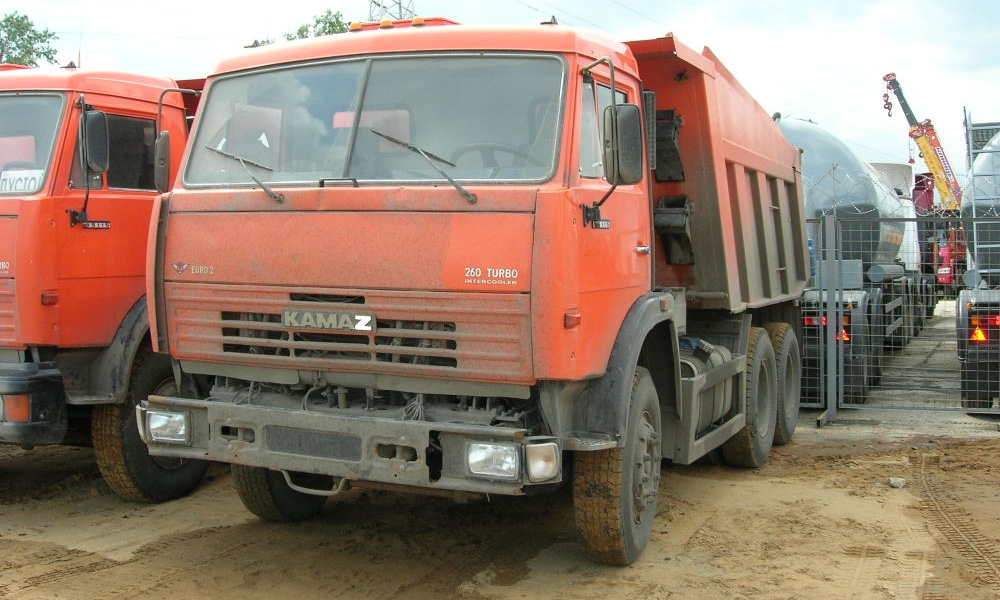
266, 494
121, 454
615, 491
751, 446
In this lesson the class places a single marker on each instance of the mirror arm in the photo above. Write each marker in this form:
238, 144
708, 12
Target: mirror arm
77, 217
592, 214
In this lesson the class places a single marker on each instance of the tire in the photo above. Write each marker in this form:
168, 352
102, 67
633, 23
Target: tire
902, 314
876, 359
122, 456
930, 296
876, 338
788, 373
615, 491
266, 494
751, 446
855, 387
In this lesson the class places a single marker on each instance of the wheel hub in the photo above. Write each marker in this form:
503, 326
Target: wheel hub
646, 475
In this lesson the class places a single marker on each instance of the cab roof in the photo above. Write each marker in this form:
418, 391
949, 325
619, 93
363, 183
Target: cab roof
115, 83
437, 35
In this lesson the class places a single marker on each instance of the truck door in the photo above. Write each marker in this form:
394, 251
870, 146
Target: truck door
615, 251
102, 260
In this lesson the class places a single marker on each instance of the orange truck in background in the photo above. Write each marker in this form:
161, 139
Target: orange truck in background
468, 261
76, 194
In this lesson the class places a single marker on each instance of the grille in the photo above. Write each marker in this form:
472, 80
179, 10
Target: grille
414, 342
413, 333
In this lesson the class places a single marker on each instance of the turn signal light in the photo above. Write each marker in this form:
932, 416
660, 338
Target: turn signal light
15, 408
845, 334
985, 320
983, 326
812, 321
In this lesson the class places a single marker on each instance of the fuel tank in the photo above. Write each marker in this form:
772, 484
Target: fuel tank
837, 181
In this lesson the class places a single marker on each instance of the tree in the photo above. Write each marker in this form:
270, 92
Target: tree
22, 44
325, 24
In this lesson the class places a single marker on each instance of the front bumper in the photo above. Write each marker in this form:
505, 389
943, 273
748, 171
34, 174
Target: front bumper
421, 454
44, 420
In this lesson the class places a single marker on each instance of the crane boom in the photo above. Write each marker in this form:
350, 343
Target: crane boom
926, 138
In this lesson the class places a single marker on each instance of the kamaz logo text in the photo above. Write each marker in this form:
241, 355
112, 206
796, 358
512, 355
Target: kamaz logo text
328, 320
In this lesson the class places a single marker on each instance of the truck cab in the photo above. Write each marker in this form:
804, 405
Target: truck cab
76, 195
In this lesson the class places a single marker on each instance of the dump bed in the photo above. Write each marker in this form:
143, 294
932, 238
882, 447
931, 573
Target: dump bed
727, 192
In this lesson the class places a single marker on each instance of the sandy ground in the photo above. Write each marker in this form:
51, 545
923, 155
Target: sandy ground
820, 521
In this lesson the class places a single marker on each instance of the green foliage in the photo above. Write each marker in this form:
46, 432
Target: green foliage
22, 44
325, 24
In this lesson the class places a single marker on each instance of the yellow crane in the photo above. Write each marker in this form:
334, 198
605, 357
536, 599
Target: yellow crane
926, 138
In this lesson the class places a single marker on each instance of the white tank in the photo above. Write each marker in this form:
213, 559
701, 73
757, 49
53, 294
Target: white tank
837, 181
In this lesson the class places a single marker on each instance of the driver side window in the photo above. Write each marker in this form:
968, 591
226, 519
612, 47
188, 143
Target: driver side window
130, 164
596, 97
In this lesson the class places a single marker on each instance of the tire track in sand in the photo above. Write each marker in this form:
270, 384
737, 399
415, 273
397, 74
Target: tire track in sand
981, 557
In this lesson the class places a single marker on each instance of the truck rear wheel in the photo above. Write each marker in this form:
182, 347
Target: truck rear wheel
266, 494
856, 378
615, 491
121, 454
788, 373
876, 337
751, 446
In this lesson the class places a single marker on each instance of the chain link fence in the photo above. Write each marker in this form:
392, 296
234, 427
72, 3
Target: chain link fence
891, 333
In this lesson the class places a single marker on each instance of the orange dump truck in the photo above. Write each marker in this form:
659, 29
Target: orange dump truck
76, 194
469, 261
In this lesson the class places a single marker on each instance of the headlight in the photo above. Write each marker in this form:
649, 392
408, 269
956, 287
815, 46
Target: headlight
168, 427
496, 461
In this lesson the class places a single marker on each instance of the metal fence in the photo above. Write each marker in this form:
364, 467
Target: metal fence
881, 327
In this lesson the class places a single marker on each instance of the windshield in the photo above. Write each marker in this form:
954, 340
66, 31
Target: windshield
28, 125
417, 119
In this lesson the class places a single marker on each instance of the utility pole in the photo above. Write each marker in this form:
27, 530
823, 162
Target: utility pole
386, 9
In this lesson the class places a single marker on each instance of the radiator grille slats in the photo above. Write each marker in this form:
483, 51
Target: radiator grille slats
471, 335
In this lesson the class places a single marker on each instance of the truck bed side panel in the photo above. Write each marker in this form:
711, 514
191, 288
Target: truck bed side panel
741, 182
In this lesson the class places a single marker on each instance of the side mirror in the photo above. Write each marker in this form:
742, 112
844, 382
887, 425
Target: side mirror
94, 141
161, 162
623, 144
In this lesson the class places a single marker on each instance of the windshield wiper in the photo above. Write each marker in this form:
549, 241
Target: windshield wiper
245, 162
430, 158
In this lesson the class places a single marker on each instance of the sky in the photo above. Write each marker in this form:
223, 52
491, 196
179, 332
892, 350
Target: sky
822, 61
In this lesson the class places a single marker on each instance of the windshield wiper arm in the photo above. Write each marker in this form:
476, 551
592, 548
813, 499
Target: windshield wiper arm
430, 158
245, 162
